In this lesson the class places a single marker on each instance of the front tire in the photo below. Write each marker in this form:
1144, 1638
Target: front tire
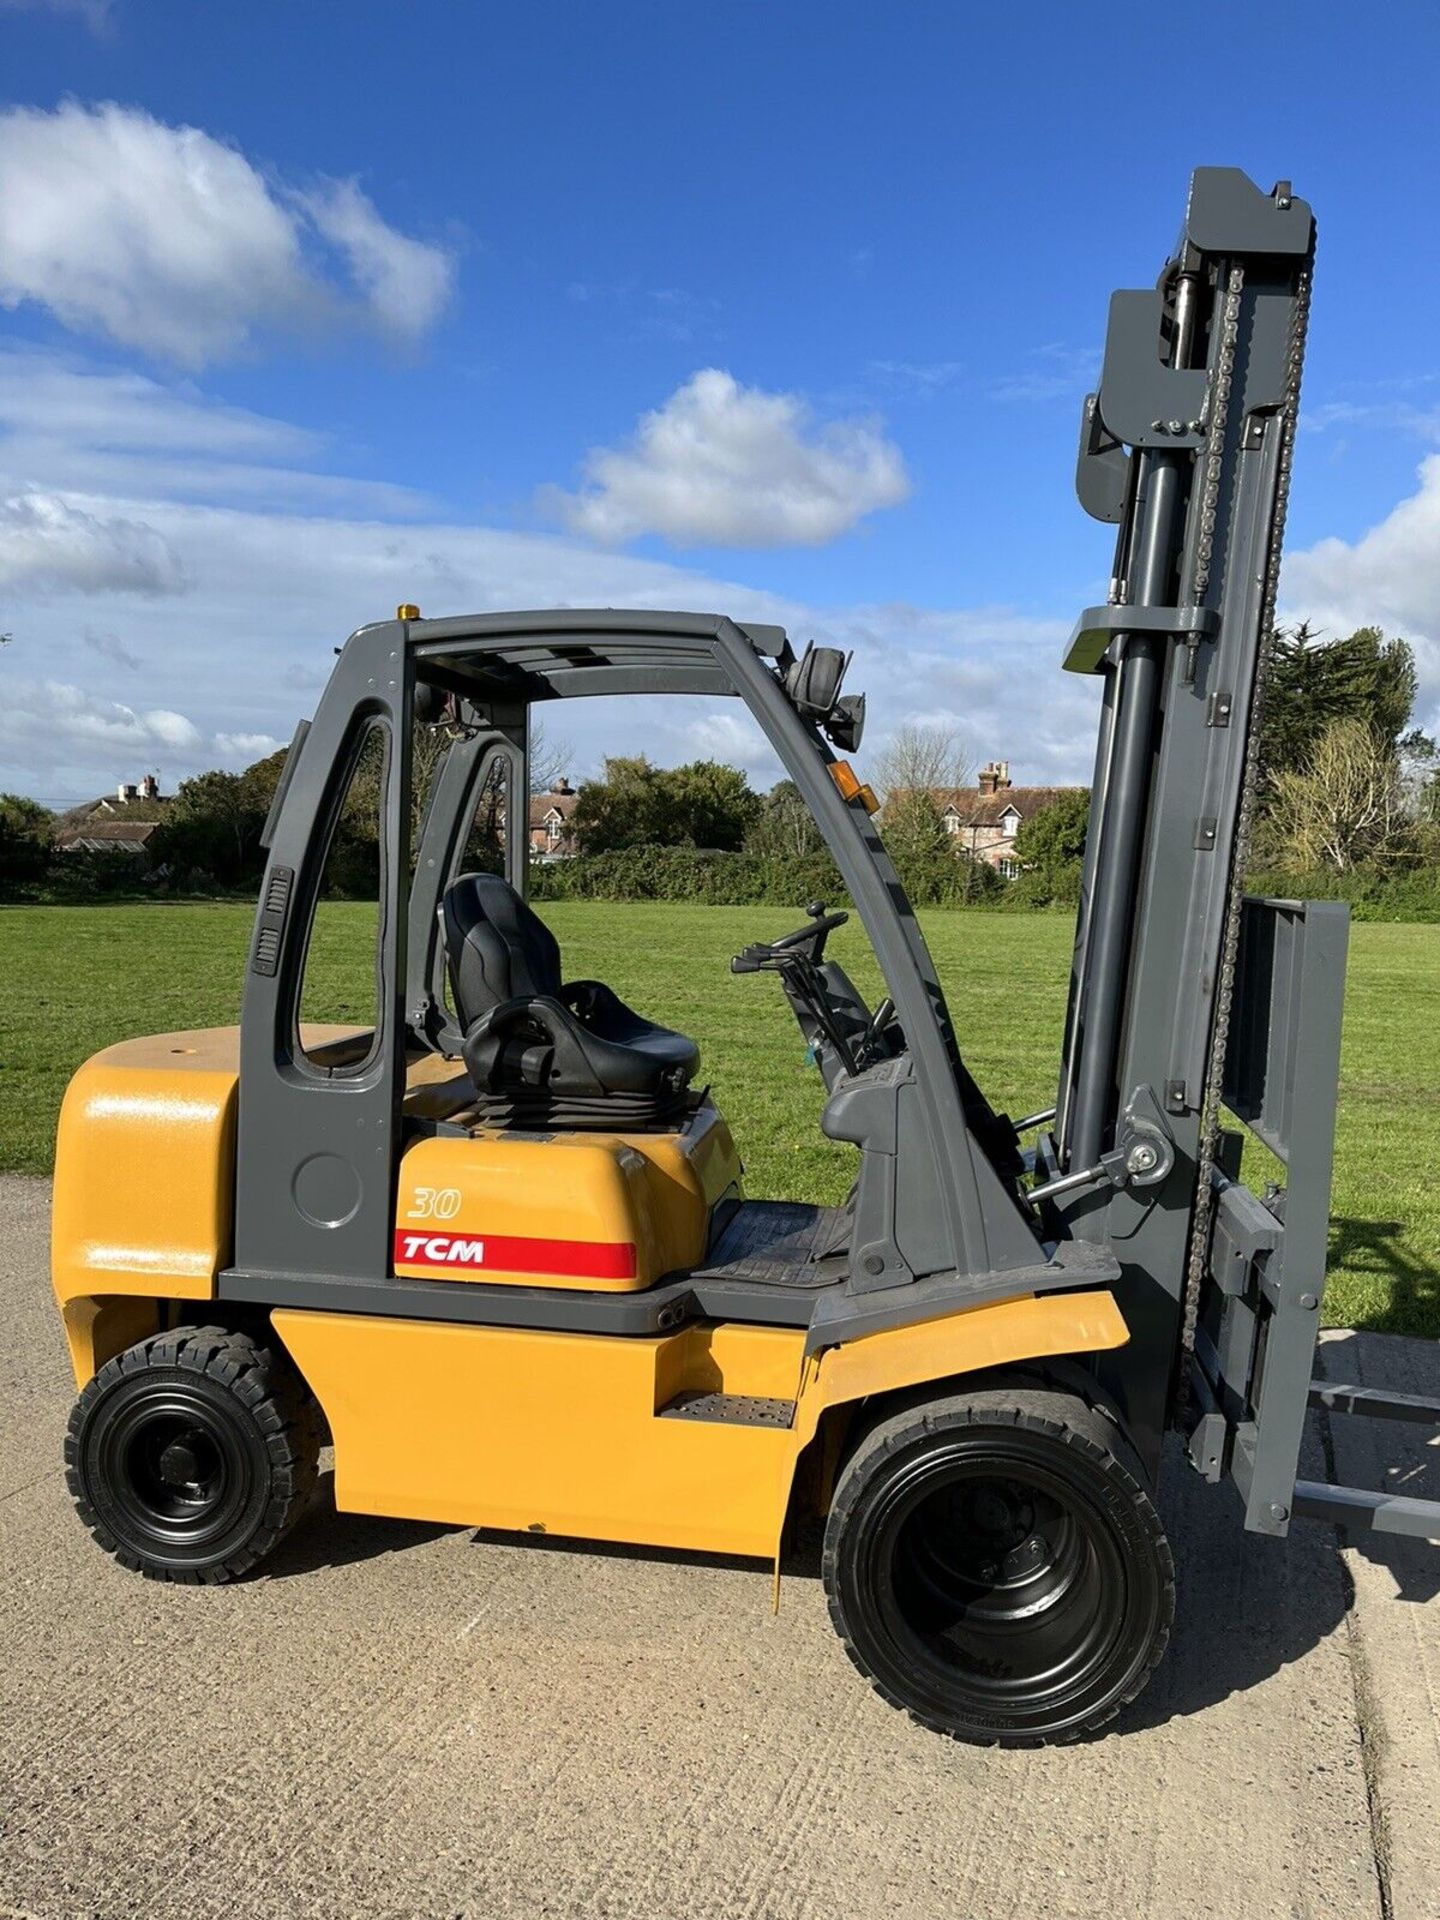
995, 1566
191, 1455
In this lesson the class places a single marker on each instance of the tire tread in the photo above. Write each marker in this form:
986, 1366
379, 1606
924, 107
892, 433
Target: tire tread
269, 1388
1059, 1416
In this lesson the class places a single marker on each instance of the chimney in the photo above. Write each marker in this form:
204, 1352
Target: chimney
989, 778
149, 787
125, 791
562, 785
1002, 775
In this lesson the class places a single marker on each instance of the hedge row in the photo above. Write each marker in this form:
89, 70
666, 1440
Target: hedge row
748, 879
686, 873
1412, 895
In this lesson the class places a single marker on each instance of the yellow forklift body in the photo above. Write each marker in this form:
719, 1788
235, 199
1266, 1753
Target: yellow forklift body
145, 1184
584, 1435
601, 1212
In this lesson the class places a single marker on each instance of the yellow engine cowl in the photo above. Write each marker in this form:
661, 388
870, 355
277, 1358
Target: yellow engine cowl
145, 1183
606, 1212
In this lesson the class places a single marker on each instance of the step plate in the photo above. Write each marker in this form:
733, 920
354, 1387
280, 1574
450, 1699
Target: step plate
730, 1409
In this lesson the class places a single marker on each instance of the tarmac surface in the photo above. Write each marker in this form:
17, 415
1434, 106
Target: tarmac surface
412, 1720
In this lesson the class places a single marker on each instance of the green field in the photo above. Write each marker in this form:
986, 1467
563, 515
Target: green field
77, 978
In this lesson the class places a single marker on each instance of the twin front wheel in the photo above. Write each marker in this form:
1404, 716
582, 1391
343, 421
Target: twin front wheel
992, 1560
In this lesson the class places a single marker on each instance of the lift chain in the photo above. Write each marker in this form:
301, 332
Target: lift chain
1217, 416
1199, 1250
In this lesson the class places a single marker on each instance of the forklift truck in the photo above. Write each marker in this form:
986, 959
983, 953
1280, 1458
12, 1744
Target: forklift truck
497, 1249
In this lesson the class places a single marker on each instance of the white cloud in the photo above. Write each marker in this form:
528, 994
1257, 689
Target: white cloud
52, 545
75, 723
65, 425
166, 239
1389, 577
724, 465
406, 282
924, 377
244, 749
1389, 416
1052, 372
91, 743
244, 652
47, 396
95, 13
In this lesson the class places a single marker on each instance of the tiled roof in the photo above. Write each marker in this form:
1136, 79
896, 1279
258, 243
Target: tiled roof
542, 805
107, 807
974, 809
989, 809
105, 832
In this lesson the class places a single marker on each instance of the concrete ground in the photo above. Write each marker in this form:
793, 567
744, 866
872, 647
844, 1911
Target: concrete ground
412, 1721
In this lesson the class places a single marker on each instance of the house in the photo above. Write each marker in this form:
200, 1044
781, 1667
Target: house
986, 818
123, 823
550, 835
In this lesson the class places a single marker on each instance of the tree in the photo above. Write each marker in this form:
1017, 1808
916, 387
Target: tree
26, 830
1313, 685
915, 827
550, 761
784, 827
1419, 759
213, 826
931, 868
702, 804
1052, 841
622, 809
707, 804
1345, 807
922, 757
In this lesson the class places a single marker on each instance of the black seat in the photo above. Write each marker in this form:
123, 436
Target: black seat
541, 1052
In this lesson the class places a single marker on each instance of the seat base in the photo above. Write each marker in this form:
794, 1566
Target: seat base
539, 1110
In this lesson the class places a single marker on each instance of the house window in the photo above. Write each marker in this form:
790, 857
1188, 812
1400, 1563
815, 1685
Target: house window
952, 825
1007, 869
1010, 823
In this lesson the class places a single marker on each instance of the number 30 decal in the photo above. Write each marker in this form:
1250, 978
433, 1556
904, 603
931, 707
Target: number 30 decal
434, 1203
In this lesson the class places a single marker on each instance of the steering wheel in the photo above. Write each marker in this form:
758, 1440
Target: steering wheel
813, 935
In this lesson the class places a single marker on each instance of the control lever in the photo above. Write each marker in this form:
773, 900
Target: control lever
879, 1020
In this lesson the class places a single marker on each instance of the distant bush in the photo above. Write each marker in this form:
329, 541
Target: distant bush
752, 878
71, 879
1034, 891
689, 873
1412, 894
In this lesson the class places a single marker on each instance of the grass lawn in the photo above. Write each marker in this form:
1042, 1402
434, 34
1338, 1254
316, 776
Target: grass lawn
77, 978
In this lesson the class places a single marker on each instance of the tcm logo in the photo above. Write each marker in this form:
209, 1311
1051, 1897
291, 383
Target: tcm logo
440, 1250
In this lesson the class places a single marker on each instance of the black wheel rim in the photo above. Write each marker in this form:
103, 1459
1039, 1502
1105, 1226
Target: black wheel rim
171, 1472
1001, 1585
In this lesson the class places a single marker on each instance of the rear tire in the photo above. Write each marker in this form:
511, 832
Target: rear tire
192, 1454
995, 1567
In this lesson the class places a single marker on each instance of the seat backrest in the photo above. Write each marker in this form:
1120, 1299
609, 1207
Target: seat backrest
495, 947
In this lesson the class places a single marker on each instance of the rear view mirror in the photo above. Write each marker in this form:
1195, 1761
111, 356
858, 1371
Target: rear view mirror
813, 683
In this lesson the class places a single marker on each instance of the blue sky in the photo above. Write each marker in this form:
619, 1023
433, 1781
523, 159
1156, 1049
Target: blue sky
784, 310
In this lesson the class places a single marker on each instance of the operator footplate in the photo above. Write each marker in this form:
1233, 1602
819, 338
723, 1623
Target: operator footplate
779, 1243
